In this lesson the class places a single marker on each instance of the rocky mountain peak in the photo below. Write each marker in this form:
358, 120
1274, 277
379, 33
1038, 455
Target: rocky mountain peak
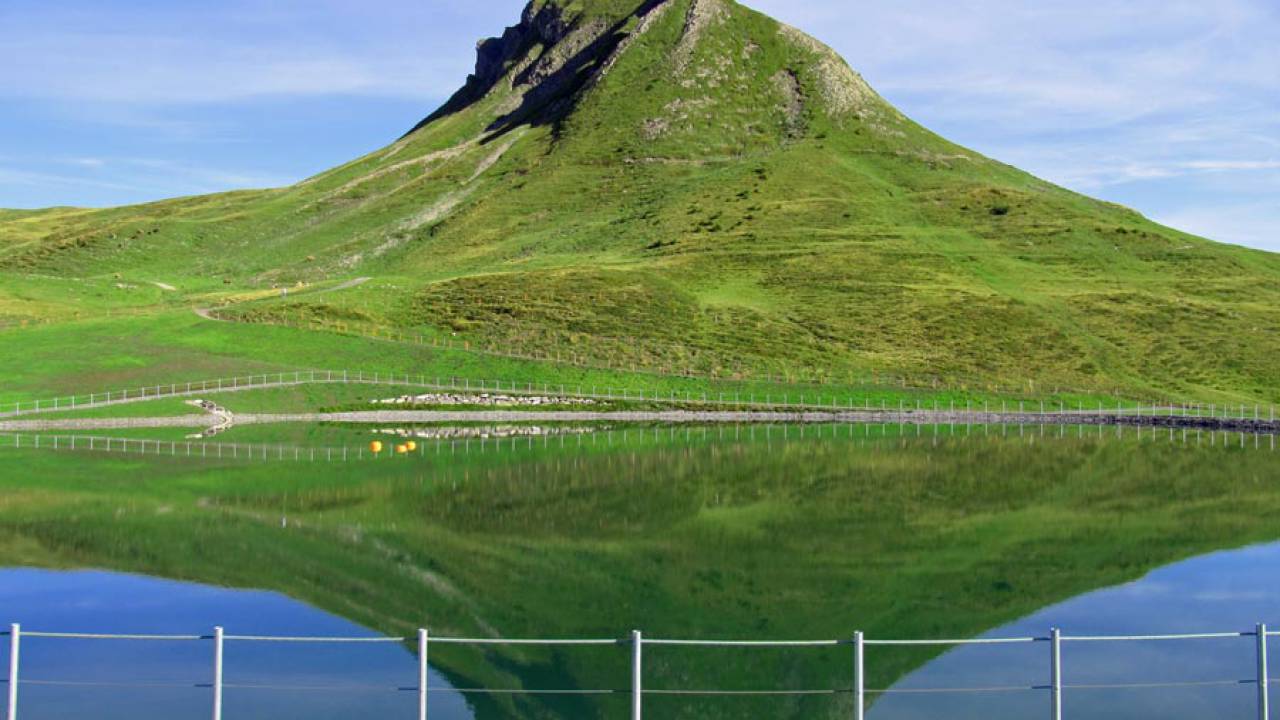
712, 62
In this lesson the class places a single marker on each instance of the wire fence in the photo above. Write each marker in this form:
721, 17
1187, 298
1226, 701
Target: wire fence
1054, 688
490, 440
737, 397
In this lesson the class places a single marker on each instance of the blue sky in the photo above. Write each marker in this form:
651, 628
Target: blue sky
1169, 106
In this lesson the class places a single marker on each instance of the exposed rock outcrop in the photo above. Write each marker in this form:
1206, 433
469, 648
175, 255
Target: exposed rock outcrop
545, 60
843, 90
541, 24
702, 13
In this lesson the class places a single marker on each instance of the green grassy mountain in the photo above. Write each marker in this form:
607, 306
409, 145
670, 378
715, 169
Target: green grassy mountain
689, 182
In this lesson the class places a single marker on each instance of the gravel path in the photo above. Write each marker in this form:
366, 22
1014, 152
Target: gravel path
179, 421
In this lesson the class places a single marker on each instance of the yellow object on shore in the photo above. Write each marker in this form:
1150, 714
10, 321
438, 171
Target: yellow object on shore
402, 449
375, 447
411, 445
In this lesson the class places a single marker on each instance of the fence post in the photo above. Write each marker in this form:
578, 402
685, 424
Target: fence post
1264, 701
217, 673
15, 641
637, 645
422, 674
859, 676
1055, 673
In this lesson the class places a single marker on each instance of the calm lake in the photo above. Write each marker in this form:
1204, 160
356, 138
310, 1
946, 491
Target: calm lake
746, 533
119, 679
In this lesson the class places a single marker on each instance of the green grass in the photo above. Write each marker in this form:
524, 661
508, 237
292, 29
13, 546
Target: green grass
114, 354
738, 241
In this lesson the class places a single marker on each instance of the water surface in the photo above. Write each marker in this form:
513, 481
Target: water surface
1221, 592
723, 532
64, 678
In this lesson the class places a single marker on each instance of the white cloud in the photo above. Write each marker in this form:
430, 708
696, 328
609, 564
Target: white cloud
1107, 172
16, 176
146, 176
1228, 165
238, 50
1233, 597
141, 70
1254, 225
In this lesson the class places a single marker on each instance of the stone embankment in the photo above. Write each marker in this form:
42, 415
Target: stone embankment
224, 419
766, 416
487, 432
487, 400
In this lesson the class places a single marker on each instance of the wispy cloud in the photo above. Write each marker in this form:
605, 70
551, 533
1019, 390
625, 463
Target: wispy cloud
231, 51
149, 176
1231, 165
16, 176
139, 70
1108, 172
1251, 224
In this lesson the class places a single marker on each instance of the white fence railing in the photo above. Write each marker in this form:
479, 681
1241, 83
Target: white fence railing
495, 440
1054, 689
740, 395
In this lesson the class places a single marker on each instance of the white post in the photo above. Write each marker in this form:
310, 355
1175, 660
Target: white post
637, 645
1264, 701
1055, 672
422, 674
15, 641
859, 677
217, 673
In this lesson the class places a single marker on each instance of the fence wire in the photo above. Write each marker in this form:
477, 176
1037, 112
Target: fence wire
205, 450
636, 641
730, 393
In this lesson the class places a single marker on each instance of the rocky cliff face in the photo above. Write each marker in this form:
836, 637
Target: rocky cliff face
542, 67
543, 25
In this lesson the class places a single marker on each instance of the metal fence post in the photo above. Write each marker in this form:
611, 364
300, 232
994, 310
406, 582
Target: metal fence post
859, 676
15, 642
637, 651
1055, 673
217, 673
1264, 701
422, 674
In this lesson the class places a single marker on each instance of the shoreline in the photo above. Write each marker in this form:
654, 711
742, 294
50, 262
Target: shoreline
670, 417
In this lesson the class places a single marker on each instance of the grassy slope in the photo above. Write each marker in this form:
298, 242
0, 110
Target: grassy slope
167, 347
681, 537
680, 217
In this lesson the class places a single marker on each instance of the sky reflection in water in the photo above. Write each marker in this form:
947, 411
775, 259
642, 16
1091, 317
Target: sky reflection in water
1223, 592
102, 602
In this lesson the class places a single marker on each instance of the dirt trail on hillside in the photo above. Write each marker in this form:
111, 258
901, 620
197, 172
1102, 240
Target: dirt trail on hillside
207, 313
